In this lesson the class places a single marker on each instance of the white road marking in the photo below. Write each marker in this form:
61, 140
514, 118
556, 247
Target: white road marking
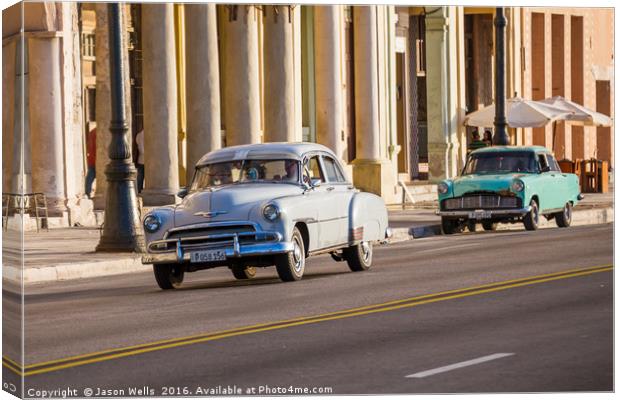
463, 364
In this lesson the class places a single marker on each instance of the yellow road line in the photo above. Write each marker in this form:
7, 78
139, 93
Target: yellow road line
110, 354
7, 359
133, 347
12, 368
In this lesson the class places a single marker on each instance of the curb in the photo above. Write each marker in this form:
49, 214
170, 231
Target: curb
69, 271
592, 216
133, 264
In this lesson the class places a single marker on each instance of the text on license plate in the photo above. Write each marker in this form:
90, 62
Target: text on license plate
207, 256
479, 214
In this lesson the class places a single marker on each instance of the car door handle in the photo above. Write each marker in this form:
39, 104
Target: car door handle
329, 189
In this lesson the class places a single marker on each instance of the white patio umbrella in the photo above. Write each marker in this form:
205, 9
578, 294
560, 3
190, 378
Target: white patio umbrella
580, 115
520, 113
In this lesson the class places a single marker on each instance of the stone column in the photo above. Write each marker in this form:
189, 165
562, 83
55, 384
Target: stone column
161, 170
80, 208
203, 76
366, 83
372, 171
46, 131
102, 102
11, 101
441, 62
328, 82
242, 95
280, 74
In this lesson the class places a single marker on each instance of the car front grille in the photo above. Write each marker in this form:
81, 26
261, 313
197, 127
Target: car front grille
210, 236
474, 202
212, 231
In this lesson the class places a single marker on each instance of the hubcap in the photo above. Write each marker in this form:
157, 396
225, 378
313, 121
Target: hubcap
297, 256
567, 212
535, 213
366, 251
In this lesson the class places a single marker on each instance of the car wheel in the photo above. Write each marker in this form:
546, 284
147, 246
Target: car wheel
290, 266
471, 226
359, 257
489, 225
564, 218
530, 221
450, 226
243, 272
169, 276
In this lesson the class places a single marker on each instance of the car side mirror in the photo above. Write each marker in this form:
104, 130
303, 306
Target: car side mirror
182, 192
315, 182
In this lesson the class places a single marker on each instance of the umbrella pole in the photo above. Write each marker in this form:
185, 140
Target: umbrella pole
553, 141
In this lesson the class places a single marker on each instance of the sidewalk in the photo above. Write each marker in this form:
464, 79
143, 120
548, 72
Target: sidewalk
62, 254
69, 253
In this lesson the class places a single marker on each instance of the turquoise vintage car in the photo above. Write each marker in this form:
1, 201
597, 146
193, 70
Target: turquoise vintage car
508, 184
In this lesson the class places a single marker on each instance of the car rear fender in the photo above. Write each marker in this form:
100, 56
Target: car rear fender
367, 214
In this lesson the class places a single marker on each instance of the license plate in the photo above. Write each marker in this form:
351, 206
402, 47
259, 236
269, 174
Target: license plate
207, 256
479, 214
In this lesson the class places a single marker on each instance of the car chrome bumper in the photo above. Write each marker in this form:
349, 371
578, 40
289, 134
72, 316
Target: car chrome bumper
237, 251
517, 212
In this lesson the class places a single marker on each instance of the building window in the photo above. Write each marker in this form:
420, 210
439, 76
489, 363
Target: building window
421, 57
419, 38
88, 45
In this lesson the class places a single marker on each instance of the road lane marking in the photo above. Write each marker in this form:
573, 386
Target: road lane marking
463, 364
110, 354
12, 365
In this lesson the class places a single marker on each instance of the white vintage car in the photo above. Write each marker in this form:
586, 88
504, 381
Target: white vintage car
264, 204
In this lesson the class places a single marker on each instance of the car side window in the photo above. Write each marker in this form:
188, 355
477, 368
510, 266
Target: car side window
542, 162
332, 170
312, 170
553, 164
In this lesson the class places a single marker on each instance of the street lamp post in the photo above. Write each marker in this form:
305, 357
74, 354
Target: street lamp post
121, 230
501, 134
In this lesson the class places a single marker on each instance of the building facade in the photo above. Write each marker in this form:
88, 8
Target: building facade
387, 88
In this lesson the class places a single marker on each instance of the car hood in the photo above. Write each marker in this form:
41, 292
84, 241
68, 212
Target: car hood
233, 202
483, 182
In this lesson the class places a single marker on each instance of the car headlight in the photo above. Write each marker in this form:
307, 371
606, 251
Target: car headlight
518, 186
152, 223
271, 212
442, 188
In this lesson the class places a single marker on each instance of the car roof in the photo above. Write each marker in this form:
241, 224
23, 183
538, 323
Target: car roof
493, 149
272, 150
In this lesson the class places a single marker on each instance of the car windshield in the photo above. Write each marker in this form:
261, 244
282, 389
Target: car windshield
246, 171
500, 162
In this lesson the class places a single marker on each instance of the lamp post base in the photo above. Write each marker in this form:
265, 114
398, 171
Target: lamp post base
121, 229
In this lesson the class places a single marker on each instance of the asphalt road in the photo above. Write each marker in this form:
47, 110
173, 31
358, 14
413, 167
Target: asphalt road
471, 313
